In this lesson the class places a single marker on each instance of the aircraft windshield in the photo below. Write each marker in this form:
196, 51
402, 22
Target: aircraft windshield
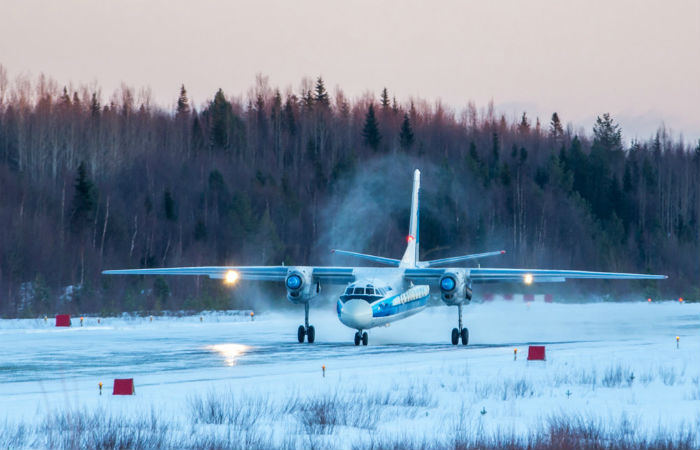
368, 293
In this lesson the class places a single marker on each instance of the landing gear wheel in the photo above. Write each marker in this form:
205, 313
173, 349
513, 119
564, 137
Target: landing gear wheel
311, 334
301, 332
465, 336
365, 338
357, 338
455, 336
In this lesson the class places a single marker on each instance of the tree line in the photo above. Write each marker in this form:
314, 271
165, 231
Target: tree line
88, 183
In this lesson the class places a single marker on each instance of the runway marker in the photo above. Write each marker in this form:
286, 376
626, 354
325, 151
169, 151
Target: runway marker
680, 300
678, 338
252, 316
515, 354
81, 321
323, 367
100, 384
151, 318
201, 319
46, 319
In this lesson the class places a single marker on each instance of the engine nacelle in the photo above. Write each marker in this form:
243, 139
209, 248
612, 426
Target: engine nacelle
455, 287
300, 285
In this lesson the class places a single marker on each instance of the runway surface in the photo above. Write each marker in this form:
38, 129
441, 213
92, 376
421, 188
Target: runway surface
43, 367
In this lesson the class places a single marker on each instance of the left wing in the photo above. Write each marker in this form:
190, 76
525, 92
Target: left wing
328, 275
484, 275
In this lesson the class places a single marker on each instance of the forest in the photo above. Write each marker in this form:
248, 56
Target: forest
91, 182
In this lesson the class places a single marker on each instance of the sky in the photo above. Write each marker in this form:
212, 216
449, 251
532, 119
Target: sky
638, 60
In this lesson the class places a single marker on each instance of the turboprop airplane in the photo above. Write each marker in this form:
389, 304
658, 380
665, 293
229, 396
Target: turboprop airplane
376, 296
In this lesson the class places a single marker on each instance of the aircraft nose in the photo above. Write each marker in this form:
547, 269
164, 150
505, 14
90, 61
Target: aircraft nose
356, 314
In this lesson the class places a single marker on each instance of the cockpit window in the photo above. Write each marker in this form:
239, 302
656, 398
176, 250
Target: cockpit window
359, 291
370, 291
348, 291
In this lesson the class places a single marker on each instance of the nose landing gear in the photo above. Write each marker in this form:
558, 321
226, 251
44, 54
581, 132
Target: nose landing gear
306, 330
460, 332
361, 337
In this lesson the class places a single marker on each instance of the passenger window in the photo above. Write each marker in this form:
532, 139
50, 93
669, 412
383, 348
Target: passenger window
370, 291
359, 291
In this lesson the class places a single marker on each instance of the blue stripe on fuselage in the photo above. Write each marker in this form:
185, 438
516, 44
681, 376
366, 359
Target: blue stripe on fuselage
385, 308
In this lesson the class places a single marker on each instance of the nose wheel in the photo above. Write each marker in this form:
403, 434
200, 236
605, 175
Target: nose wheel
460, 333
361, 337
306, 331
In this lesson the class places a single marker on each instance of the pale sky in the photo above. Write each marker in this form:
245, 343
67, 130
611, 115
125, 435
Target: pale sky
638, 60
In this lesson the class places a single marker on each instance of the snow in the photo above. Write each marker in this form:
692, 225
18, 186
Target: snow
613, 361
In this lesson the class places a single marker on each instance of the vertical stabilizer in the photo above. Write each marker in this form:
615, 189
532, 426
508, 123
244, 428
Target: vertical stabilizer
410, 256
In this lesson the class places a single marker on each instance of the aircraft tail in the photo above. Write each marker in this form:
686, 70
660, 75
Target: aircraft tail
410, 256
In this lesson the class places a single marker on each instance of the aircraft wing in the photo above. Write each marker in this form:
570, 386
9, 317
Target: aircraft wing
327, 275
485, 275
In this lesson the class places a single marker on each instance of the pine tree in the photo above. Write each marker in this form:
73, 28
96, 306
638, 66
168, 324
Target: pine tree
406, 135
320, 93
385, 100
370, 132
83, 200
555, 128
183, 103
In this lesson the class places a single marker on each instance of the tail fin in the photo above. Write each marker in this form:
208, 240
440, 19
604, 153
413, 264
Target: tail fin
410, 256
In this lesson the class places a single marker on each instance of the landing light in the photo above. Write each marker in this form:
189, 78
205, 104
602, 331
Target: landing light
528, 278
231, 277
409, 238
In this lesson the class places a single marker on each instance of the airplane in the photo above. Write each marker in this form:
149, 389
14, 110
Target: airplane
376, 296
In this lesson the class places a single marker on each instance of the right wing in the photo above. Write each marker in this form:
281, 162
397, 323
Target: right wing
527, 276
327, 275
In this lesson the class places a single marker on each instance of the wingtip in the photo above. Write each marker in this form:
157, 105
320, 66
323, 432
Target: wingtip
332, 250
503, 252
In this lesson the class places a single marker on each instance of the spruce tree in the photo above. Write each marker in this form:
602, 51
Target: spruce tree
385, 100
555, 128
221, 114
83, 200
183, 103
94, 106
320, 93
169, 206
406, 135
370, 132
524, 126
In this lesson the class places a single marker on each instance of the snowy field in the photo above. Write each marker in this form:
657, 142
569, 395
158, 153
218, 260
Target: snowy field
612, 368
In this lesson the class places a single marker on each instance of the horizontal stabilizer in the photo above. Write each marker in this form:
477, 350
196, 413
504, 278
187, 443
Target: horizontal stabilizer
377, 259
442, 262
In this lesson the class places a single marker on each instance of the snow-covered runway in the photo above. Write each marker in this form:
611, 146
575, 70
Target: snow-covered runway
603, 359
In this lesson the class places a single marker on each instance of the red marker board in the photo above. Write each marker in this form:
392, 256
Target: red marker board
62, 320
535, 353
123, 386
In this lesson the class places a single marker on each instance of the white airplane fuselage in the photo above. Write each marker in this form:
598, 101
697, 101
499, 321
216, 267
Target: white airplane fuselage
372, 302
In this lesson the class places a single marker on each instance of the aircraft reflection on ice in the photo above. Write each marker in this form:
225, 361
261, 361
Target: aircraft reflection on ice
230, 352
376, 296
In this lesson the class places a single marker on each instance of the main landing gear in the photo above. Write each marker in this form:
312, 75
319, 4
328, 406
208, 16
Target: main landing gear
460, 332
361, 337
306, 330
